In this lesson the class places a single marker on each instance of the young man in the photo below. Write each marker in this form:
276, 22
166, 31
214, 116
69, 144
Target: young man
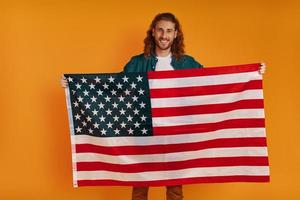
163, 50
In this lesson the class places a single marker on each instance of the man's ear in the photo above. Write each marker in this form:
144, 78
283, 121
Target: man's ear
175, 33
153, 32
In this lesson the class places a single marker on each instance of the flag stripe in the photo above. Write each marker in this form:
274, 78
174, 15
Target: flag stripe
171, 157
205, 109
220, 79
213, 179
166, 166
207, 118
199, 128
205, 99
205, 90
175, 174
169, 139
157, 149
209, 71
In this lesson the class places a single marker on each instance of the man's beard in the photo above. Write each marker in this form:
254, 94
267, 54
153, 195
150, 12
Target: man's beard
160, 46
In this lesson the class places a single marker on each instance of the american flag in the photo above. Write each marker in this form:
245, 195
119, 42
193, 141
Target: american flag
168, 127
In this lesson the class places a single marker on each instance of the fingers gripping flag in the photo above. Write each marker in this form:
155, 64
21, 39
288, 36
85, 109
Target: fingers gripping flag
168, 127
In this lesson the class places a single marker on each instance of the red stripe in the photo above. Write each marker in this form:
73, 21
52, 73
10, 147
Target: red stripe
208, 127
204, 72
206, 109
176, 165
205, 90
170, 148
214, 179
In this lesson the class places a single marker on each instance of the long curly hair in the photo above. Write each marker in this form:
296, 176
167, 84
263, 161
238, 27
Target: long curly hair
177, 47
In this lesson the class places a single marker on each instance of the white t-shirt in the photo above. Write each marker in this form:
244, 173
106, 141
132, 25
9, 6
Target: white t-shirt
164, 63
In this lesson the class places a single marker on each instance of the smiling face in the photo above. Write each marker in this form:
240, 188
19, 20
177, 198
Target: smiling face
164, 34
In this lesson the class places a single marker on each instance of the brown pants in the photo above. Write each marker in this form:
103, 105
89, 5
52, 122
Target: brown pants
172, 193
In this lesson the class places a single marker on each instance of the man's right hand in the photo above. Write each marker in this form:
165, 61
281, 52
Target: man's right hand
63, 81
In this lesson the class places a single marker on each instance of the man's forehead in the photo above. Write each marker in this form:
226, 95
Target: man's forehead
165, 24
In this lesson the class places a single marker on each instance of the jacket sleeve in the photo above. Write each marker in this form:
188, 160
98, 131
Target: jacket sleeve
194, 63
131, 65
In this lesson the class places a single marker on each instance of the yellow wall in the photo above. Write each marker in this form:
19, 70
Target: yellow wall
40, 40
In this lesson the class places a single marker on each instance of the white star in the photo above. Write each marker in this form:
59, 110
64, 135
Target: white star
129, 118
116, 118
83, 123
80, 99
108, 112
125, 79
130, 131
133, 85
83, 80
78, 86
92, 86
78, 129
119, 86
117, 131
111, 79
141, 92
77, 116
101, 105
75, 104
109, 125
122, 111
97, 79
143, 118
136, 111
127, 92
113, 92
90, 131
142, 104
95, 112
121, 98
88, 118
105, 86
73, 91
134, 98
70, 79
82, 111
123, 125
103, 132
87, 106
139, 78
128, 105
96, 125
136, 125
86, 93
115, 105
93, 99
144, 131
107, 99
100, 92
102, 118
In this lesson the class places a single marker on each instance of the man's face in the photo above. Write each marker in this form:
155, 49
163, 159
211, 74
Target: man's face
164, 34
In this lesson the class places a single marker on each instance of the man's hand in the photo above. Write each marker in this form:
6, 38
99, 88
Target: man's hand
262, 68
63, 81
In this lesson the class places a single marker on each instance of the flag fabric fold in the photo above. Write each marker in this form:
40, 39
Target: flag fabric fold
168, 127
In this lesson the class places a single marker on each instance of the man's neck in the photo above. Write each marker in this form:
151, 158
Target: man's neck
162, 53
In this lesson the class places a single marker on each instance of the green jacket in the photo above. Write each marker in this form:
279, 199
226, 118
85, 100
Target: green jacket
140, 63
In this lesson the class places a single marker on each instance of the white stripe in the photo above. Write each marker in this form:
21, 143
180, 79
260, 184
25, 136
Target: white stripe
71, 124
204, 80
207, 118
169, 139
175, 174
205, 99
170, 157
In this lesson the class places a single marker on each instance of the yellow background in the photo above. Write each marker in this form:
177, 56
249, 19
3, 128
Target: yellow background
40, 40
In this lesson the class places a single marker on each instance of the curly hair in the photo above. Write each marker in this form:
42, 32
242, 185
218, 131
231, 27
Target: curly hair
177, 47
